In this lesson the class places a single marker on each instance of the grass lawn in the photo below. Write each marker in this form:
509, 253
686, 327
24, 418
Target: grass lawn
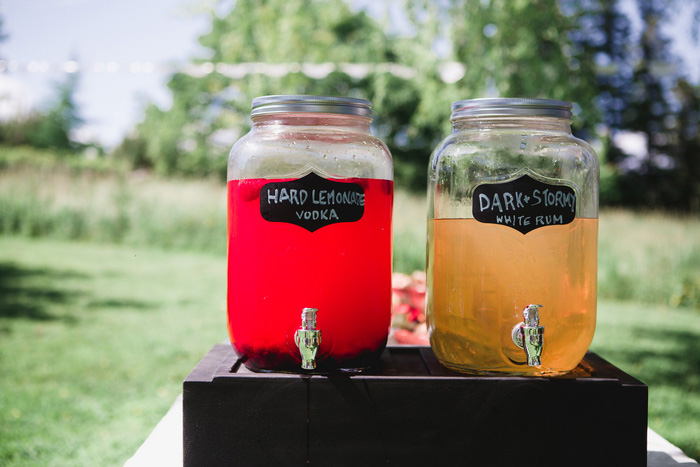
660, 346
95, 341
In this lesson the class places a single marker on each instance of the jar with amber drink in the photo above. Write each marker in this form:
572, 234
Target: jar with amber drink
512, 239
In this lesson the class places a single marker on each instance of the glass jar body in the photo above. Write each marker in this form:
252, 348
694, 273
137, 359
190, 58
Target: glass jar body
512, 222
309, 226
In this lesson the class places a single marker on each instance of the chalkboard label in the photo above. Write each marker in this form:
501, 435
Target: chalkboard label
312, 202
524, 204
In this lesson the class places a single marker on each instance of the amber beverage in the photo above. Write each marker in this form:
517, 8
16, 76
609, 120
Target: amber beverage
482, 274
512, 239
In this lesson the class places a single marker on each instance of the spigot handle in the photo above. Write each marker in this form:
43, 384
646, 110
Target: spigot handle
308, 338
308, 318
529, 335
531, 315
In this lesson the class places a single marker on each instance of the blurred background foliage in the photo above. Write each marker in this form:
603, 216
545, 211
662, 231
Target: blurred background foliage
412, 59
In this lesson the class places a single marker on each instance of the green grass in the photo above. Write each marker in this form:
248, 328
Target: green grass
410, 232
95, 341
649, 258
133, 209
660, 346
112, 288
140, 210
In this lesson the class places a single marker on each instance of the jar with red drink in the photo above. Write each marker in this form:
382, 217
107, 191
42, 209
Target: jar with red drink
310, 194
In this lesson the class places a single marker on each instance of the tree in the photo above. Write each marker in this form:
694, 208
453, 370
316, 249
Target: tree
604, 31
3, 36
688, 143
49, 129
412, 106
576, 50
507, 48
53, 129
275, 38
655, 100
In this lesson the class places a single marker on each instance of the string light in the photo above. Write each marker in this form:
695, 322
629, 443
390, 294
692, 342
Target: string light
71, 66
449, 72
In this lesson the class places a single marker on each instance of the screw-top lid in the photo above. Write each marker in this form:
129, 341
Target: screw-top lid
508, 107
314, 104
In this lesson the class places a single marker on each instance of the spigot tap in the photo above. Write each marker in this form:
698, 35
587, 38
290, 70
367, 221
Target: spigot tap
529, 335
308, 338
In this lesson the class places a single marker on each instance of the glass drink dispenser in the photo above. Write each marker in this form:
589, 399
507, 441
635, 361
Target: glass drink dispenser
310, 196
512, 239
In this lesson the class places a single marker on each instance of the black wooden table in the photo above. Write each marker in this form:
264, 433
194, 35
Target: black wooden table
410, 410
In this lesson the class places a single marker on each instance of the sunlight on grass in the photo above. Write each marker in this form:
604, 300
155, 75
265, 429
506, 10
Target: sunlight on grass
660, 346
113, 287
95, 342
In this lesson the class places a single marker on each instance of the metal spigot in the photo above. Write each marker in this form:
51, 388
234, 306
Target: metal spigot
529, 335
308, 338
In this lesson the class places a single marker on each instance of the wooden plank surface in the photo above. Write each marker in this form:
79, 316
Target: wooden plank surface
409, 410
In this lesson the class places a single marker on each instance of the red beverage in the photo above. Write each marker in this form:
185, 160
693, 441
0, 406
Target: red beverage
275, 269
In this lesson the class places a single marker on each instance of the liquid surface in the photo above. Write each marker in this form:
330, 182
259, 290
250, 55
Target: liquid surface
275, 269
482, 276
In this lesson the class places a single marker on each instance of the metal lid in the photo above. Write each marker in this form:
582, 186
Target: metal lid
316, 104
511, 107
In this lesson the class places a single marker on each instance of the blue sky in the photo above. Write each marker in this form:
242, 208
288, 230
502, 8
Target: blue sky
116, 42
126, 49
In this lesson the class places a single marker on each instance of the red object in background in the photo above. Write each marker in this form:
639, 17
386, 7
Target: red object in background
408, 309
406, 337
275, 269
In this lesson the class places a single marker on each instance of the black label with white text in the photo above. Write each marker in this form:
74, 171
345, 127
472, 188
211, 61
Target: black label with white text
524, 204
312, 202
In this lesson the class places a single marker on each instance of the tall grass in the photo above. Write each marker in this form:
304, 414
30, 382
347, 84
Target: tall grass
76, 319
132, 209
650, 257
410, 234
